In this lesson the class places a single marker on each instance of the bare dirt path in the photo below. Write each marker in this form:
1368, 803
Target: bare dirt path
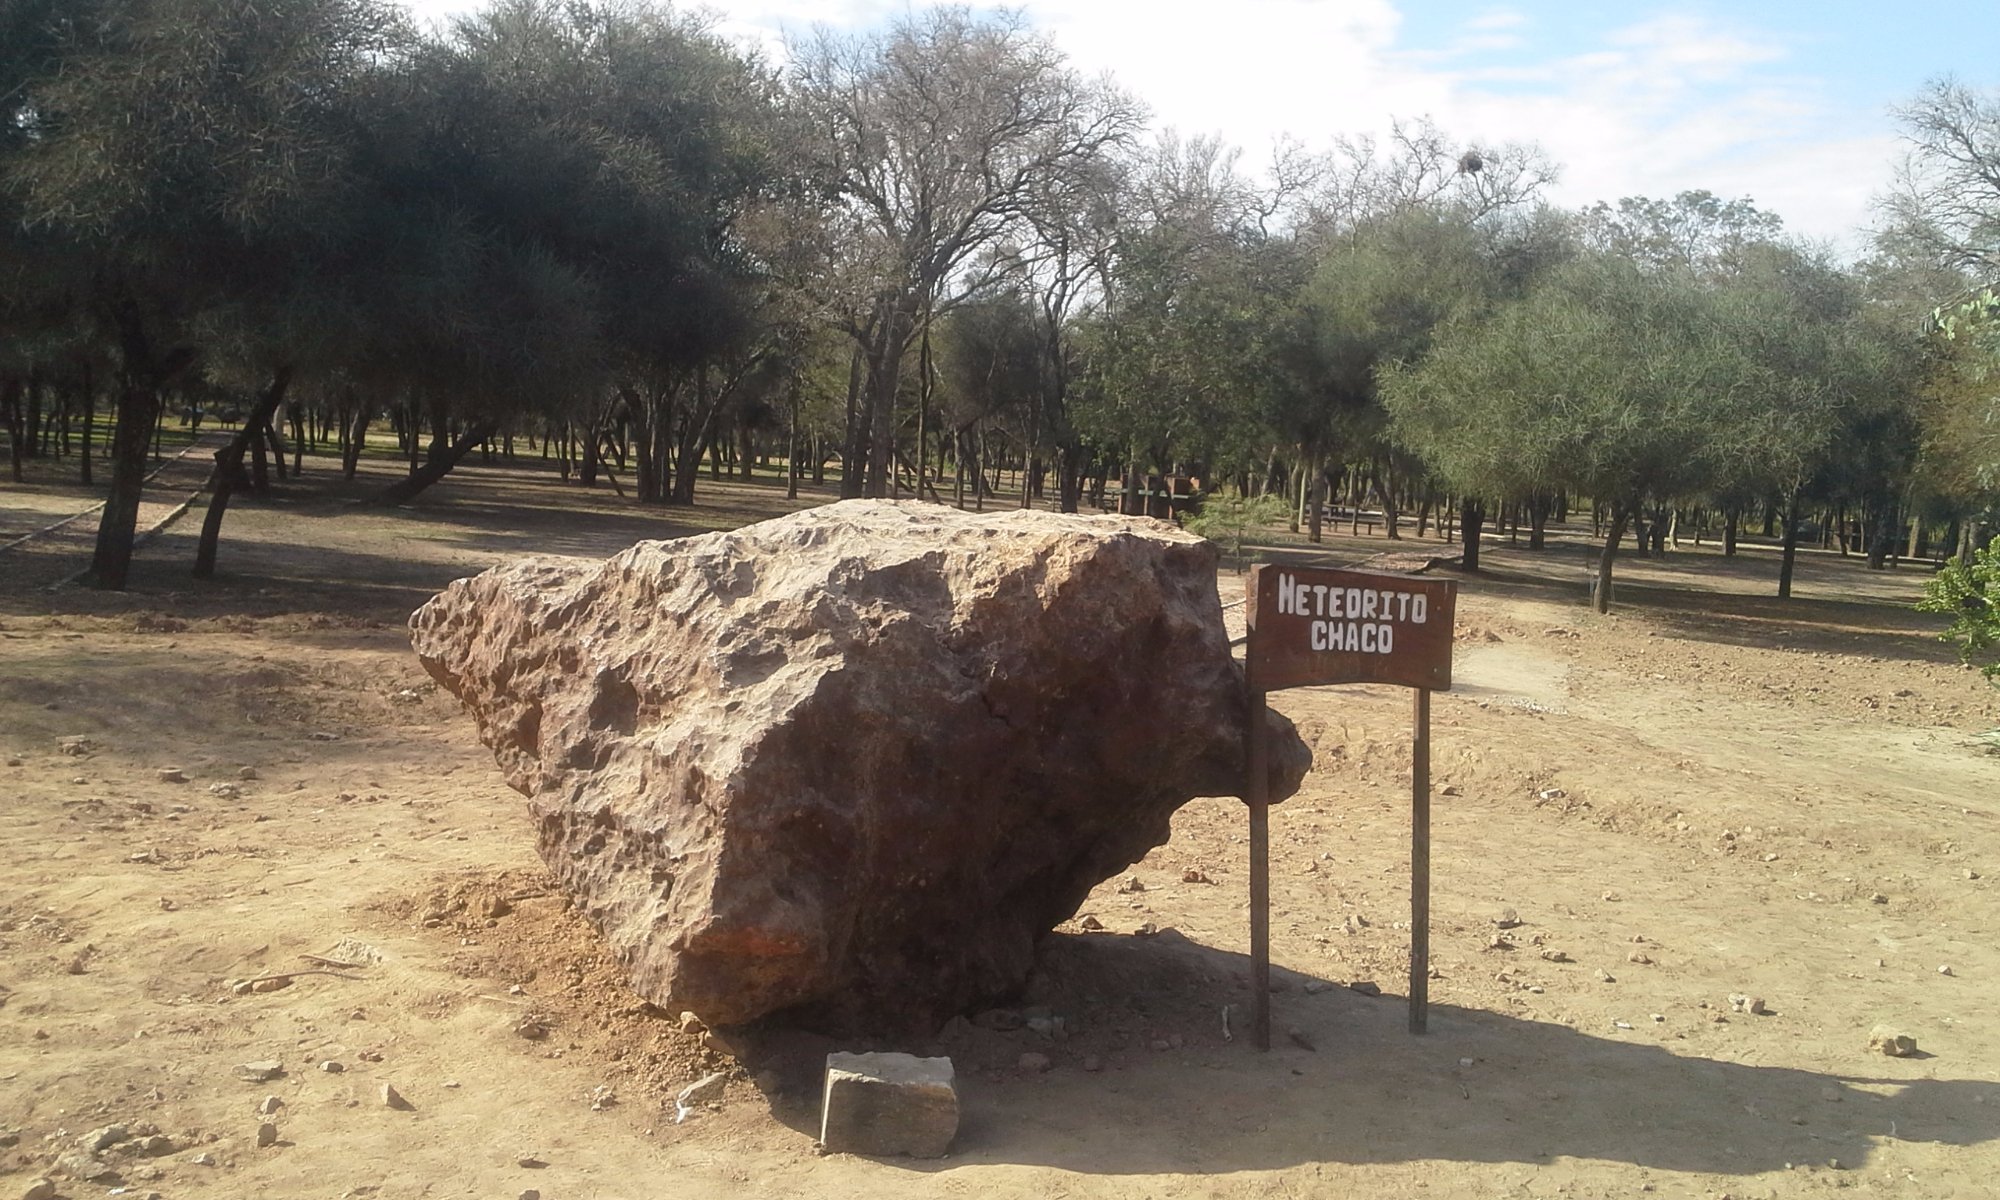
1695, 797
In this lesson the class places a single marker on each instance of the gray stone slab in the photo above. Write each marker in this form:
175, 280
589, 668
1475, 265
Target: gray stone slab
887, 1104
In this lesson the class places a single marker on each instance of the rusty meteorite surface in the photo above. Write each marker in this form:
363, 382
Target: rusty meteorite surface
848, 765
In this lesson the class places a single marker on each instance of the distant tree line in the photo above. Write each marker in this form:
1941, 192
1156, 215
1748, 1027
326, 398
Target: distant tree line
930, 255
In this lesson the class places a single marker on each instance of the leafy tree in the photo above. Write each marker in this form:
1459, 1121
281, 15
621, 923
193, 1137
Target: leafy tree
1606, 380
1960, 398
185, 149
1826, 415
1374, 301
1229, 520
1969, 593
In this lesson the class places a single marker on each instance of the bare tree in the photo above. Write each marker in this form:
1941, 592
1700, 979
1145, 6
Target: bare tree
1946, 198
932, 139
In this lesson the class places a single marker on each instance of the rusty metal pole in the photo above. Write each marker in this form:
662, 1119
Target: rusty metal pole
1420, 863
1259, 798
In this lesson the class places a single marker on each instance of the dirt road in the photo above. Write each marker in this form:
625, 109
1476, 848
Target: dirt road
1702, 795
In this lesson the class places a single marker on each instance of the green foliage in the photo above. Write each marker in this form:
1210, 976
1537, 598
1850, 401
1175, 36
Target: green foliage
1961, 402
1229, 520
1606, 380
1969, 593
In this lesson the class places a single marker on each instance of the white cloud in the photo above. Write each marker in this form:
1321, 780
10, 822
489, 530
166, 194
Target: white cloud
1677, 104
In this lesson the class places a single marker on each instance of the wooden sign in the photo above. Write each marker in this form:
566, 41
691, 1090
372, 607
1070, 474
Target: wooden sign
1311, 625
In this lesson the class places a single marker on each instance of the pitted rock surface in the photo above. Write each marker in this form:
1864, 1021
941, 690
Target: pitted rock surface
846, 766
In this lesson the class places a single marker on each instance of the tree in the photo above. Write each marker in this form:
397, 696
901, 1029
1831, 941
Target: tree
1960, 403
1605, 380
1826, 414
1374, 301
1197, 290
184, 148
1969, 593
932, 139
1695, 231
1946, 198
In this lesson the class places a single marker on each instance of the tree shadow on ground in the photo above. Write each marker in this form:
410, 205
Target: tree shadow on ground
1480, 1087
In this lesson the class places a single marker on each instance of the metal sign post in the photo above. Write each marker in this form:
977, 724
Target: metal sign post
1310, 626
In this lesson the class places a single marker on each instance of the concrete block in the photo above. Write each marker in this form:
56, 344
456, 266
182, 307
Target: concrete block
886, 1104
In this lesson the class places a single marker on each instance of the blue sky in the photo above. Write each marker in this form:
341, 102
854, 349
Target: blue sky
1786, 101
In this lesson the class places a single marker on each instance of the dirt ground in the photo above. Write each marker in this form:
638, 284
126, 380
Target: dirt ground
1705, 794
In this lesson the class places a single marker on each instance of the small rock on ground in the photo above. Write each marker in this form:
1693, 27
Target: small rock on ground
267, 1134
1891, 1042
705, 1090
394, 1099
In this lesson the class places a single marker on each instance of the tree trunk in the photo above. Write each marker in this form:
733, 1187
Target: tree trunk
437, 467
1882, 525
269, 432
1471, 515
852, 477
1385, 486
1315, 485
30, 442
1600, 592
357, 437
228, 473
138, 404
1790, 549
792, 441
17, 428
89, 422
1729, 532
1070, 462
143, 376
885, 374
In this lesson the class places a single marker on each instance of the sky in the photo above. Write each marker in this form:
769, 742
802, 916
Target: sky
1788, 102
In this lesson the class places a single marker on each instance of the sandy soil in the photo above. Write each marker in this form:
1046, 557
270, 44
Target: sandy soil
1706, 794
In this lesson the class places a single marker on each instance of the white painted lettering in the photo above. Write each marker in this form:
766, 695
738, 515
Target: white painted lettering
1318, 607
1368, 638
1385, 639
1369, 598
1420, 608
1319, 635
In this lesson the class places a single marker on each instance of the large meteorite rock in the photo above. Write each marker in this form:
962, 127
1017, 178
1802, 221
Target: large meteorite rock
848, 765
